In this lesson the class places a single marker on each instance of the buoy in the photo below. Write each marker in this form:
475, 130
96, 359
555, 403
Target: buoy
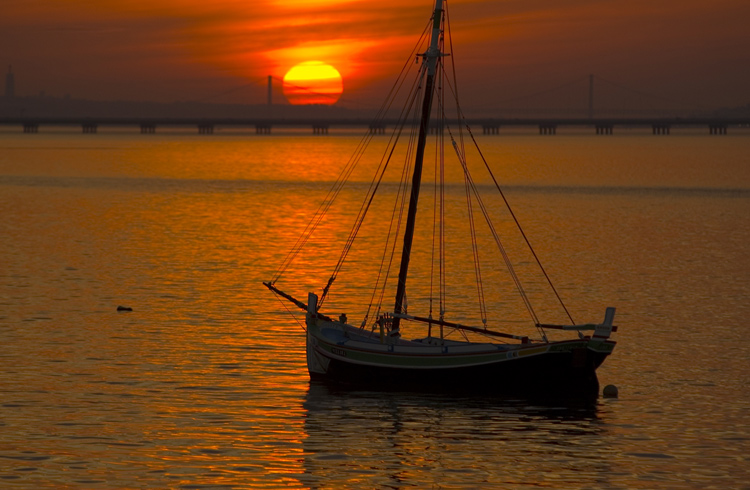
610, 391
124, 308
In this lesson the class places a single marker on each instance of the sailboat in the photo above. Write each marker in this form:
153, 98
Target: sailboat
448, 353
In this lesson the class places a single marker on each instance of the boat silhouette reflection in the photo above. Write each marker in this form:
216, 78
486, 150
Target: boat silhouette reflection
386, 439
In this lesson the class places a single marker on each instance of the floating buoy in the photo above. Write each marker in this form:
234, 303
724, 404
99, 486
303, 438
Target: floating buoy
610, 391
124, 308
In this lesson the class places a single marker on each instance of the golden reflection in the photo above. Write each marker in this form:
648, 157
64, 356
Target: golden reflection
205, 383
355, 437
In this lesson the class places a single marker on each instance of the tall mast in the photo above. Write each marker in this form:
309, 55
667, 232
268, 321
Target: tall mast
430, 58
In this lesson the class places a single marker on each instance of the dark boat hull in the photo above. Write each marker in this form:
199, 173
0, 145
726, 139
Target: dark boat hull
343, 354
556, 373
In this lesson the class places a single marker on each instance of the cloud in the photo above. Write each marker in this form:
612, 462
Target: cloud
193, 44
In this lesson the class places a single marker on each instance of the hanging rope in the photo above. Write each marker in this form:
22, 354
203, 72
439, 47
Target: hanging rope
400, 201
520, 229
375, 184
474, 201
469, 202
346, 172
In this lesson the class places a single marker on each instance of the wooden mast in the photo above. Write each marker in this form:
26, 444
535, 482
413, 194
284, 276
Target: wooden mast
430, 58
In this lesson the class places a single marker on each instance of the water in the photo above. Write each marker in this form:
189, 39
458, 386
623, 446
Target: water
204, 384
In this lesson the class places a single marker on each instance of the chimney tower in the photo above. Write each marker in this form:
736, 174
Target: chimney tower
10, 84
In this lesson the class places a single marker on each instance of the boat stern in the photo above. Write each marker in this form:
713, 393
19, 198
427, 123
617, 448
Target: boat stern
316, 363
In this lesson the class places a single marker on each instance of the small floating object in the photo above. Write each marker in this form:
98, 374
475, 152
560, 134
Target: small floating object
124, 308
610, 391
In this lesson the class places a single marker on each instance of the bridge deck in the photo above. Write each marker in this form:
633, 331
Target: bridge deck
660, 125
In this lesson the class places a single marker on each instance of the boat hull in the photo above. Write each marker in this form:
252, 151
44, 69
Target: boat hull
557, 368
547, 374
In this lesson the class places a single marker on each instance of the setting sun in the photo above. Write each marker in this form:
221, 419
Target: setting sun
313, 82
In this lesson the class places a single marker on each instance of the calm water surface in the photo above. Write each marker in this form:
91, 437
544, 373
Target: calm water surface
204, 384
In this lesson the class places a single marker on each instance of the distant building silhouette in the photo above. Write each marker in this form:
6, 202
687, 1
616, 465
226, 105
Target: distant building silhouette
10, 84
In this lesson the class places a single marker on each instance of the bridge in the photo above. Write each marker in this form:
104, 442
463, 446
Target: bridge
489, 126
569, 105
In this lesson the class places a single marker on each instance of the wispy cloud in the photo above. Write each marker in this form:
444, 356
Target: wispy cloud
502, 40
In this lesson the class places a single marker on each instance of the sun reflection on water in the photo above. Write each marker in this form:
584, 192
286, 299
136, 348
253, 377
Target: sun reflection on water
204, 383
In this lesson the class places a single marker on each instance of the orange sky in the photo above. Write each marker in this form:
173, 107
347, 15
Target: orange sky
696, 52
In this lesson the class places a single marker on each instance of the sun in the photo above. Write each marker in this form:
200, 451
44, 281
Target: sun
313, 82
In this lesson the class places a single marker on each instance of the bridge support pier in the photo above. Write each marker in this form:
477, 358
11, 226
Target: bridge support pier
490, 129
89, 128
604, 128
262, 129
148, 128
547, 129
377, 128
30, 127
320, 129
717, 129
205, 128
660, 129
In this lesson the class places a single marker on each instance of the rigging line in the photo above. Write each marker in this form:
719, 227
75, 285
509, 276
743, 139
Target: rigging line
367, 202
454, 89
330, 198
520, 229
515, 219
376, 181
467, 179
401, 192
498, 242
459, 330
474, 245
501, 248
420, 41
429, 58
314, 221
396, 87
286, 307
436, 225
443, 251
347, 170
386, 245
402, 189
392, 145
324, 206
438, 193
355, 230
